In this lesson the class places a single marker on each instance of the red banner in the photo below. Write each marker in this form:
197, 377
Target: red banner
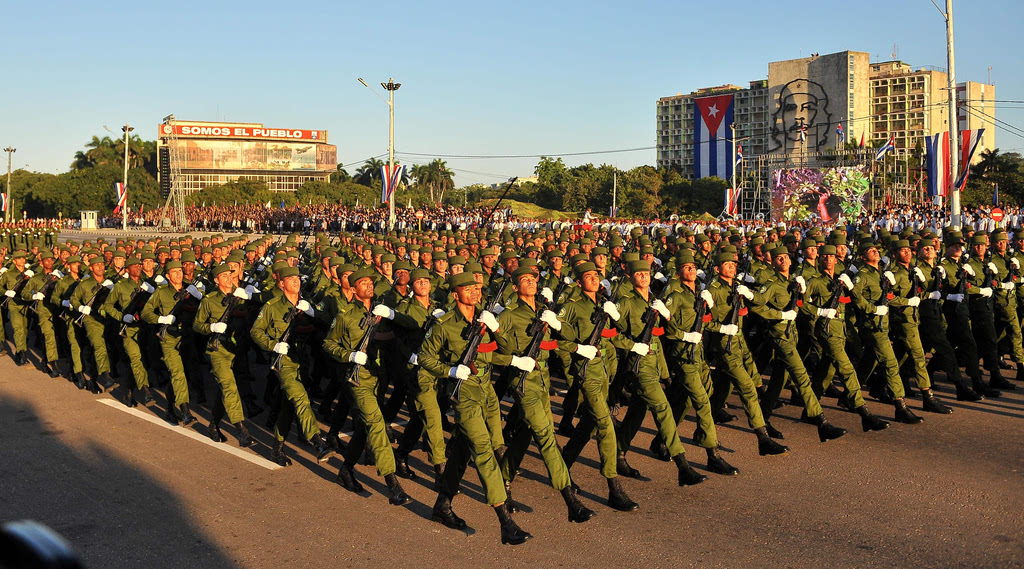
229, 131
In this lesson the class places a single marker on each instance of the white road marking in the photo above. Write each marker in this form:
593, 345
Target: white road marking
240, 453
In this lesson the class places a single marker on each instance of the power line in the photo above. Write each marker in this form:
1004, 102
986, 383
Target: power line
1000, 123
545, 155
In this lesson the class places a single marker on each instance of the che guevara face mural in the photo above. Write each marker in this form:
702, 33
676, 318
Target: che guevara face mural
801, 102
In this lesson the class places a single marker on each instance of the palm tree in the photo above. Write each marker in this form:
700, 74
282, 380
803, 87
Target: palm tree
369, 171
442, 178
101, 151
991, 163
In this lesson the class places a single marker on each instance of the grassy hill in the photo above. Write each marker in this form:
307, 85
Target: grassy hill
523, 209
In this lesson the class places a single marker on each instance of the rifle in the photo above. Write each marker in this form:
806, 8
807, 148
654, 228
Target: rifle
915, 287
886, 290
835, 288
490, 214
289, 320
649, 319
794, 297
736, 301
600, 319
135, 303
699, 320
475, 334
537, 330
20, 286
99, 295
179, 302
370, 323
51, 282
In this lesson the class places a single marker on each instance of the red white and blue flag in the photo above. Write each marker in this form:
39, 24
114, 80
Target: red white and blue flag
890, 145
840, 135
389, 181
732, 201
3, 202
120, 195
937, 164
739, 154
712, 138
969, 142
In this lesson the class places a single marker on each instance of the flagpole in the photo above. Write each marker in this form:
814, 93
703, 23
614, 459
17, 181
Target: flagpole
954, 126
124, 209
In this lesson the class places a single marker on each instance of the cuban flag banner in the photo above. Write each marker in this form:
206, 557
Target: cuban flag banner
712, 139
120, 195
889, 145
739, 154
937, 164
732, 201
969, 142
389, 181
3, 202
840, 135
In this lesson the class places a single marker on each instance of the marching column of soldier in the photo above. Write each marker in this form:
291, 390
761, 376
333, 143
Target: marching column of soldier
358, 326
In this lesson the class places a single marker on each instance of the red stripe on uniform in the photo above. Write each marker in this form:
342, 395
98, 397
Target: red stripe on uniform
609, 333
548, 345
799, 303
889, 296
743, 312
707, 318
658, 331
844, 300
488, 347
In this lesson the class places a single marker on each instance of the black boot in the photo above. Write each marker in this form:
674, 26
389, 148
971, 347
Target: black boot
21, 358
997, 381
51, 369
766, 446
321, 449
252, 408
245, 440
617, 497
347, 479
129, 397
397, 496
105, 381
933, 405
965, 393
831, 391
869, 421
687, 475
826, 431
846, 402
512, 505
214, 433
147, 396
511, 533
578, 513
402, 466
79, 380
905, 415
624, 469
772, 431
1020, 372
187, 418
659, 450
443, 513
721, 417
438, 472
985, 391
277, 454
334, 439
172, 415
718, 465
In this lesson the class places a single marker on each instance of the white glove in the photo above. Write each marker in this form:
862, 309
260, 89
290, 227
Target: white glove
1007, 286
240, 293
525, 364
607, 285
200, 285
801, 283
501, 272
437, 313
991, 267
706, 295
920, 274
642, 349
550, 319
934, 295
547, 294
611, 310
692, 337
3, 270
745, 292
40, 296
60, 275
9, 294
985, 291
788, 315
660, 277
159, 280
85, 309
128, 318
146, 287
885, 259
191, 289
955, 297
748, 279
358, 358
661, 308
586, 352
942, 271
414, 360
914, 302
216, 327
890, 277
281, 348
498, 309
304, 306
250, 290
1015, 263
700, 274
29, 273
383, 312
730, 329
853, 269
881, 310
65, 303
489, 320
846, 280
459, 372
968, 270
829, 313
107, 283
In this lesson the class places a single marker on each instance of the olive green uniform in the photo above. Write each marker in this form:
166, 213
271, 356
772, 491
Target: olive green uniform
86, 291
874, 329
16, 306
413, 320
61, 297
821, 293
161, 303
691, 375
118, 300
45, 310
906, 322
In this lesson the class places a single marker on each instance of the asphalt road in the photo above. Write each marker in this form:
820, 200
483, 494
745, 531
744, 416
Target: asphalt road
132, 493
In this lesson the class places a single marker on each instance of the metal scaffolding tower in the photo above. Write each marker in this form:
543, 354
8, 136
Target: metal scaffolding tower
174, 219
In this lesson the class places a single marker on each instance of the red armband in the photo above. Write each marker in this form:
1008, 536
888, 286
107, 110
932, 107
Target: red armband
844, 300
548, 345
659, 331
609, 333
487, 348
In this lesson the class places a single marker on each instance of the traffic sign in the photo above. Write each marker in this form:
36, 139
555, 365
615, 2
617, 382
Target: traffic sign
997, 214
419, 215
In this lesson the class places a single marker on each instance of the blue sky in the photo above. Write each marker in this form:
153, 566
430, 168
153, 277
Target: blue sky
477, 78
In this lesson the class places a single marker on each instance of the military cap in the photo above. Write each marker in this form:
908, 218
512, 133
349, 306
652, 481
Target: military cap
583, 268
685, 257
132, 261
724, 257
419, 273
522, 271
599, 250
73, 259
188, 256
462, 279
224, 268
630, 257
98, 260
978, 240
475, 268
577, 258
457, 260
172, 265
148, 255
20, 254
45, 255
639, 265
827, 250
360, 274
998, 235
346, 268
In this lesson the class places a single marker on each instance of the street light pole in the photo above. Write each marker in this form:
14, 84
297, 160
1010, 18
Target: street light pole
9, 150
124, 210
954, 123
390, 87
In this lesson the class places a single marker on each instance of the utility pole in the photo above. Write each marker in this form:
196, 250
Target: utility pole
9, 150
954, 123
124, 209
615, 193
390, 87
